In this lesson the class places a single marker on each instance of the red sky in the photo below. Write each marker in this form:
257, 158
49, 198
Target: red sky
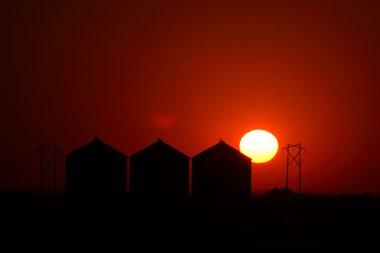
192, 72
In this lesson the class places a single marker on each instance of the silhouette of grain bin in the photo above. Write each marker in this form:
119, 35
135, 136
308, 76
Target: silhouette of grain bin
96, 169
221, 172
159, 171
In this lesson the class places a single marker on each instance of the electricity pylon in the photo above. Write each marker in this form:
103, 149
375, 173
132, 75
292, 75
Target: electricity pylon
293, 156
48, 162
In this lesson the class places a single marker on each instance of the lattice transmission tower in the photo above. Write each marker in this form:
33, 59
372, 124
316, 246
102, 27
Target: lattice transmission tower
48, 164
293, 155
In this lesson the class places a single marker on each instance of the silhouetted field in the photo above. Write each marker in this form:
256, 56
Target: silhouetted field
300, 224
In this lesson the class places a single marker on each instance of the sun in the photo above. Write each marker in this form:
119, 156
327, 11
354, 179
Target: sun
260, 145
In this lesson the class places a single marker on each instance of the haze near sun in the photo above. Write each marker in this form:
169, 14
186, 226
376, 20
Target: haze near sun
260, 145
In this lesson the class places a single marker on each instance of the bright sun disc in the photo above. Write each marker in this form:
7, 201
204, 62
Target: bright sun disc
260, 145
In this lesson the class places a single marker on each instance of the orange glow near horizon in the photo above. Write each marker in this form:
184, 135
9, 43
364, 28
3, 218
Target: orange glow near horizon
260, 145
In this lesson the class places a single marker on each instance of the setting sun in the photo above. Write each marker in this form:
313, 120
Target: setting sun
260, 145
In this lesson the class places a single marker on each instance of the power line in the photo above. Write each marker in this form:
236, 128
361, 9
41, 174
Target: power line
333, 164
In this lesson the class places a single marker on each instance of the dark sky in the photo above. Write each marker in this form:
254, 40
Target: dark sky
192, 72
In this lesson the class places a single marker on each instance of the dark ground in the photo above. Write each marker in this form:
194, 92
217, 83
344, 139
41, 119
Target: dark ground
299, 224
